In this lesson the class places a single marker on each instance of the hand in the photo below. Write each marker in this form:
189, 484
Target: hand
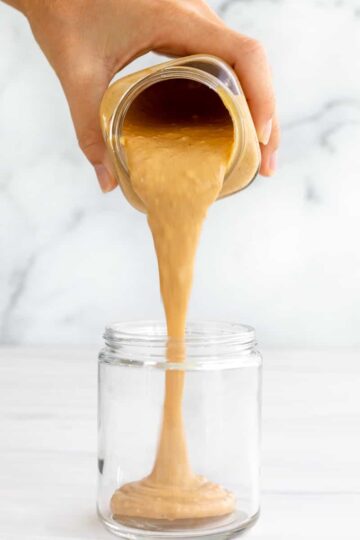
88, 41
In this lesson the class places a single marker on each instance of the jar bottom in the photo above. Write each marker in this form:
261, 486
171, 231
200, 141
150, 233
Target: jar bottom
204, 528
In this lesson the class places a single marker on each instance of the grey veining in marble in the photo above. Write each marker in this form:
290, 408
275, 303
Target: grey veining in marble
283, 256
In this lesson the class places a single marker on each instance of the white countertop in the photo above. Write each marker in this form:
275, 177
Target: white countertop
311, 445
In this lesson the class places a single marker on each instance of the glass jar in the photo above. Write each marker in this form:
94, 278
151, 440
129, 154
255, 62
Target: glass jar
205, 69
220, 410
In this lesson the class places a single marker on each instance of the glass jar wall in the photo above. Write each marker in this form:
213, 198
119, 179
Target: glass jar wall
216, 493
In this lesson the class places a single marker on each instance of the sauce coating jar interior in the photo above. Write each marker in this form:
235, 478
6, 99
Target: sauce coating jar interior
220, 408
211, 71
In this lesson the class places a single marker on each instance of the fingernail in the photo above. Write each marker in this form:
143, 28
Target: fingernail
265, 136
273, 162
105, 178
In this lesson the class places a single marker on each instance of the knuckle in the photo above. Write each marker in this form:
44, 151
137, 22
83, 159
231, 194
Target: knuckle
254, 47
83, 73
74, 71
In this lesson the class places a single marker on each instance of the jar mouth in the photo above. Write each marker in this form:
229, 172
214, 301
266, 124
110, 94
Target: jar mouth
207, 344
177, 72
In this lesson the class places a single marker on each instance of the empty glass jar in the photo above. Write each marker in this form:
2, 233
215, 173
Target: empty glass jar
217, 494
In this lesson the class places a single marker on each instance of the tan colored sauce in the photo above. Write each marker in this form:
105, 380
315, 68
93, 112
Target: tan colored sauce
178, 138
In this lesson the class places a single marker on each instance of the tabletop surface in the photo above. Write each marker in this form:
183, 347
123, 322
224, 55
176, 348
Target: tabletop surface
310, 448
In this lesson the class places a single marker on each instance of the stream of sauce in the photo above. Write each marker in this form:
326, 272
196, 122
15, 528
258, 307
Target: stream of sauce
178, 138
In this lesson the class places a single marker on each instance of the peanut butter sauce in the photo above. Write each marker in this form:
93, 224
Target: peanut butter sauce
178, 138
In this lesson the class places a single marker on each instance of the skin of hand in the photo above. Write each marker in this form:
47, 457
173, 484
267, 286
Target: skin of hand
88, 41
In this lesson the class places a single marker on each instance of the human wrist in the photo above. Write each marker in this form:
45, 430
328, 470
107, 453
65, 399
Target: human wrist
17, 4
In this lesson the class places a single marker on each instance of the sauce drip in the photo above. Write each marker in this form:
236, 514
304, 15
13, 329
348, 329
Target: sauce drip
178, 138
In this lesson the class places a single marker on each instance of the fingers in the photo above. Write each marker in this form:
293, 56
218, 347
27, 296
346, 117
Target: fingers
189, 33
252, 68
269, 151
84, 88
187, 27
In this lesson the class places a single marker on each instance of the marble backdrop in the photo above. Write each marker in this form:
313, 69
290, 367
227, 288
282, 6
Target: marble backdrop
283, 256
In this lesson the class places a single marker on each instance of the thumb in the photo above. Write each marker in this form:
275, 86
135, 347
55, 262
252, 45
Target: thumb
84, 89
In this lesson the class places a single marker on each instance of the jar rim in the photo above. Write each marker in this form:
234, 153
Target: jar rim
174, 72
207, 344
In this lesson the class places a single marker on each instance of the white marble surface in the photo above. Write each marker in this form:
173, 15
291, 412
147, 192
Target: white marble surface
311, 445
283, 256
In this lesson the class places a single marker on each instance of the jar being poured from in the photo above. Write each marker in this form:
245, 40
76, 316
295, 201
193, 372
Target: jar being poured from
191, 75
